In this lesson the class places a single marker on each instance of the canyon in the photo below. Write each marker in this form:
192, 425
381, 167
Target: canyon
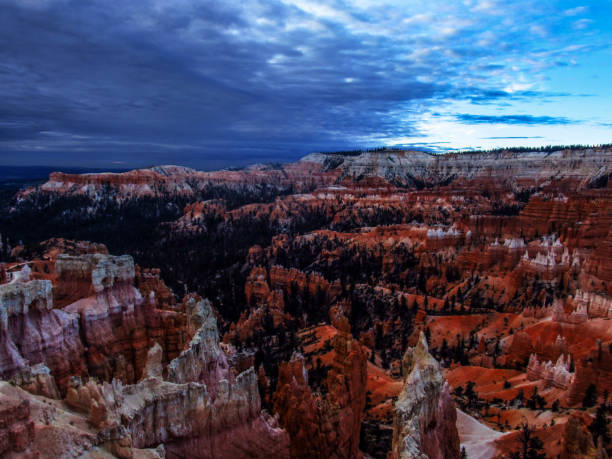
386, 304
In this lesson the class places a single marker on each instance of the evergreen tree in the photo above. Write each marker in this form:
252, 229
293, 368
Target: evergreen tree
531, 446
590, 396
599, 427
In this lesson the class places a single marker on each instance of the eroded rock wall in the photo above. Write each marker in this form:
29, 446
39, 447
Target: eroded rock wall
424, 425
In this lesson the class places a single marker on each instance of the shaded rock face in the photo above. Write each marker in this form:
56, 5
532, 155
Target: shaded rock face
325, 425
32, 332
16, 427
203, 410
595, 368
198, 405
118, 325
424, 425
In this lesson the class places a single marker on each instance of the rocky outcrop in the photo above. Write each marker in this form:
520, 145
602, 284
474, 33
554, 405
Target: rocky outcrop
425, 414
33, 332
297, 406
325, 424
82, 276
37, 380
419, 168
593, 304
203, 409
118, 325
203, 360
153, 367
346, 383
595, 368
555, 375
148, 281
203, 404
186, 418
182, 181
16, 427
104, 331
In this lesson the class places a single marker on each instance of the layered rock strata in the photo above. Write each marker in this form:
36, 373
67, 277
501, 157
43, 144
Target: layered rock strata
33, 332
424, 425
197, 405
325, 424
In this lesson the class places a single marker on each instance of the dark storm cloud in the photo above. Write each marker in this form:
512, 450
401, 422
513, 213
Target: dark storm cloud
200, 81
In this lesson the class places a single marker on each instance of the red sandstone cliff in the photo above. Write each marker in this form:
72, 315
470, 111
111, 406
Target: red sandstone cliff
325, 424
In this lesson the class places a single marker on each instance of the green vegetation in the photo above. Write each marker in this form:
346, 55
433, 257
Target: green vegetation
543, 148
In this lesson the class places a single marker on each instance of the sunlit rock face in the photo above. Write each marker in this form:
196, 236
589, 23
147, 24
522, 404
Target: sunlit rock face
425, 414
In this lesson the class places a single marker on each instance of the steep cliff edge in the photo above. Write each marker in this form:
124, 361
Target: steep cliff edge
204, 403
33, 332
403, 167
325, 424
425, 419
205, 408
118, 325
183, 181
417, 168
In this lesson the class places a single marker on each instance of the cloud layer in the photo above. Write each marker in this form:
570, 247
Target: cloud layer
206, 83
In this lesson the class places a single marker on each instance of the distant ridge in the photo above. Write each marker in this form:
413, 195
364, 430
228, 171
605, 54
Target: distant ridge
544, 148
20, 173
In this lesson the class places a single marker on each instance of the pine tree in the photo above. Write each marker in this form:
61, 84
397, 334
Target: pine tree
599, 427
531, 446
590, 396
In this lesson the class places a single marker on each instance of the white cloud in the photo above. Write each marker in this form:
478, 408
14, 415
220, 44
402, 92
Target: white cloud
516, 87
421, 18
581, 24
575, 11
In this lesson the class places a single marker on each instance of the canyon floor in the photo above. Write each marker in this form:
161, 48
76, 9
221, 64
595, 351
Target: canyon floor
388, 304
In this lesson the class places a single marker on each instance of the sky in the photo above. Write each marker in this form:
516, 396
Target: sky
211, 84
